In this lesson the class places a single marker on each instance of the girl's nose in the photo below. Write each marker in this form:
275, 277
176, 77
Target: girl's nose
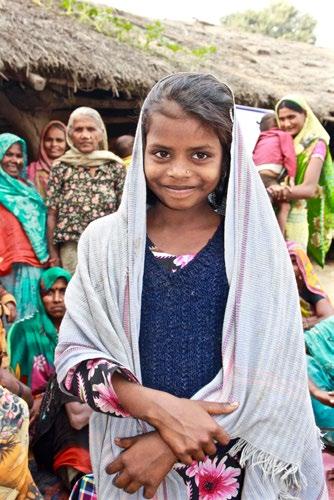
179, 170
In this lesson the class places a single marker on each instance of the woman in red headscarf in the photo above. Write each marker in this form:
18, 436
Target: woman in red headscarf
52, 146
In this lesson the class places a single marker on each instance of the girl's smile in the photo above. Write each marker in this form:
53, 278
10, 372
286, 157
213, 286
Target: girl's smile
183, 160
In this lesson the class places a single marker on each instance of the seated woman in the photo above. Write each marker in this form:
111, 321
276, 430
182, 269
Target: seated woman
15, 478
60, 430
52, 145
7, 313
318, 322
23, 245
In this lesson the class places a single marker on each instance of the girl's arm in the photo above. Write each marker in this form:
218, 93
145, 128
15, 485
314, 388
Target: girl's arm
185, 425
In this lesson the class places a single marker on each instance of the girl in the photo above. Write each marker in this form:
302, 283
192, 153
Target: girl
311, 219
162, 335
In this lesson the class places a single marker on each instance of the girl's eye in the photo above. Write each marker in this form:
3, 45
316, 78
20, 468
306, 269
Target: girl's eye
161, 154
200, 155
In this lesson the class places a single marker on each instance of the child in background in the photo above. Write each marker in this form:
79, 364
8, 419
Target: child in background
123, 148
275, 158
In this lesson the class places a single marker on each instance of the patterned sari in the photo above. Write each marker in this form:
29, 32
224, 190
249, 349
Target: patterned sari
15, 478
311, 222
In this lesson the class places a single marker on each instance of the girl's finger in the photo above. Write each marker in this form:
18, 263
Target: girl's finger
133, 487
219, 408
149, 491
210, 449
122, 480
126, 442
221, 436
115, 466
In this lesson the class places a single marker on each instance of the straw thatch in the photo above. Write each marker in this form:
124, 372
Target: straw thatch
44, 43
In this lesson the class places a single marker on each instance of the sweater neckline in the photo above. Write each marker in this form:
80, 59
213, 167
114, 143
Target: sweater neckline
198, 256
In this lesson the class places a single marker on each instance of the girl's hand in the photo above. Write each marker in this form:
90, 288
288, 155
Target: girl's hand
145, 462
187, 426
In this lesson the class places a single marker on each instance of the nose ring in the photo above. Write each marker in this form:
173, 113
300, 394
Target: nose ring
187, 172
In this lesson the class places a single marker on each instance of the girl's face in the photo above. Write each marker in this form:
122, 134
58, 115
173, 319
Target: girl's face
86, 134
54, 143
291, 121
12, 162
183, 160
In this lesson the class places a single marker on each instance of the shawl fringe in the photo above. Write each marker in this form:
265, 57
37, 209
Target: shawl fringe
288, 476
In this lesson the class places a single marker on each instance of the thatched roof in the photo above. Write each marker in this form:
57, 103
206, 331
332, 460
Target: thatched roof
36, 39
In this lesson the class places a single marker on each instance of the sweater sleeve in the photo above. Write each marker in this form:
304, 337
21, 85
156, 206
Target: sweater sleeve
91, 381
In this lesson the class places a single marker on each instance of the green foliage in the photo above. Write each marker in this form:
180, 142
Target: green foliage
202, 52
104, 20
279, 20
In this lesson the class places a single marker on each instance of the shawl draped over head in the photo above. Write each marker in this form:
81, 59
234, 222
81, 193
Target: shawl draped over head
74, 157
305, 266
310, 277
32, 341
263, 357
320, 209
38, 171
22, 200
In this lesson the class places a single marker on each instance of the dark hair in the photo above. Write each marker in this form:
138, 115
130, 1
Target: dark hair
291, 105
265, 122
201, 96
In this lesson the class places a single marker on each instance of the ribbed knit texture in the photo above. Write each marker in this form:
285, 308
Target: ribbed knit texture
182, 318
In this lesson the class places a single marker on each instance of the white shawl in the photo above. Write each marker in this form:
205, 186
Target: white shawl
264, 363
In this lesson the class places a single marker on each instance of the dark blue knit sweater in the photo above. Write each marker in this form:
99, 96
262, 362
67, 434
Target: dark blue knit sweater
182, 317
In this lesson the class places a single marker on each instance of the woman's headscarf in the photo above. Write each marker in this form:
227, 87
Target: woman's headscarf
32, 341
264, 365
8, 140
306, 268
44, 162
312, 128
74, 157
23, 201
39, 171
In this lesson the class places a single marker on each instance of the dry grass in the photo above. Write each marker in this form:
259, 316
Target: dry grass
258, 68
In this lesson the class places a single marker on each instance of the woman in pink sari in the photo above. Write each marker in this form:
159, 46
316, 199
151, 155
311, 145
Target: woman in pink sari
52, 146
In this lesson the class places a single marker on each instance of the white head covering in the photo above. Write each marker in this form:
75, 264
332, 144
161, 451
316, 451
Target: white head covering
74, 157
264, 362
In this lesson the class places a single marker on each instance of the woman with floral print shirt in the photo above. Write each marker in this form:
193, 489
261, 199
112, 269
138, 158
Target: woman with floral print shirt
85, 184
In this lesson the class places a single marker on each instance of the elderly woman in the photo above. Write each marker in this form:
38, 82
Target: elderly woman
86, 183
311, 218
23, 247
51, 147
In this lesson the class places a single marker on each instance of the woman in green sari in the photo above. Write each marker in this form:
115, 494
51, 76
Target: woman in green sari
311, 218
32, 341
23, 248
